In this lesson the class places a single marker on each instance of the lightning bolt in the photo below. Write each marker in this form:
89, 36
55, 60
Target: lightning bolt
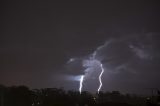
81, 84
100, 78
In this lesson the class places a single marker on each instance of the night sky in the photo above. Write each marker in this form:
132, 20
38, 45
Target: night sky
45, 44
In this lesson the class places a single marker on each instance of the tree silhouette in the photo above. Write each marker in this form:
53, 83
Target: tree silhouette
23, 96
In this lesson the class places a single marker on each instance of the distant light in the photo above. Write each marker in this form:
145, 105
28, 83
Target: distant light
71, 60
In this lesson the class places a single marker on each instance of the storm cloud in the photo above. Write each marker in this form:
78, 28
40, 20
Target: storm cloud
43, 43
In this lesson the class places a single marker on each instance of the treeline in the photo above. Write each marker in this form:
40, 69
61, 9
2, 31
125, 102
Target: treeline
23, 96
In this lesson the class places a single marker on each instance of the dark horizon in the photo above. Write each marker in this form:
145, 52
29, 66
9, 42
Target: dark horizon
22, 96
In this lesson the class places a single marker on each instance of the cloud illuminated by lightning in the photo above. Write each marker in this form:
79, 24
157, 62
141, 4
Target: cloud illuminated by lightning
81, 84
91, 65
93, 62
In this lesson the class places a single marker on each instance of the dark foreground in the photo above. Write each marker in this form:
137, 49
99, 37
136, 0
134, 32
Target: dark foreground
23, 96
